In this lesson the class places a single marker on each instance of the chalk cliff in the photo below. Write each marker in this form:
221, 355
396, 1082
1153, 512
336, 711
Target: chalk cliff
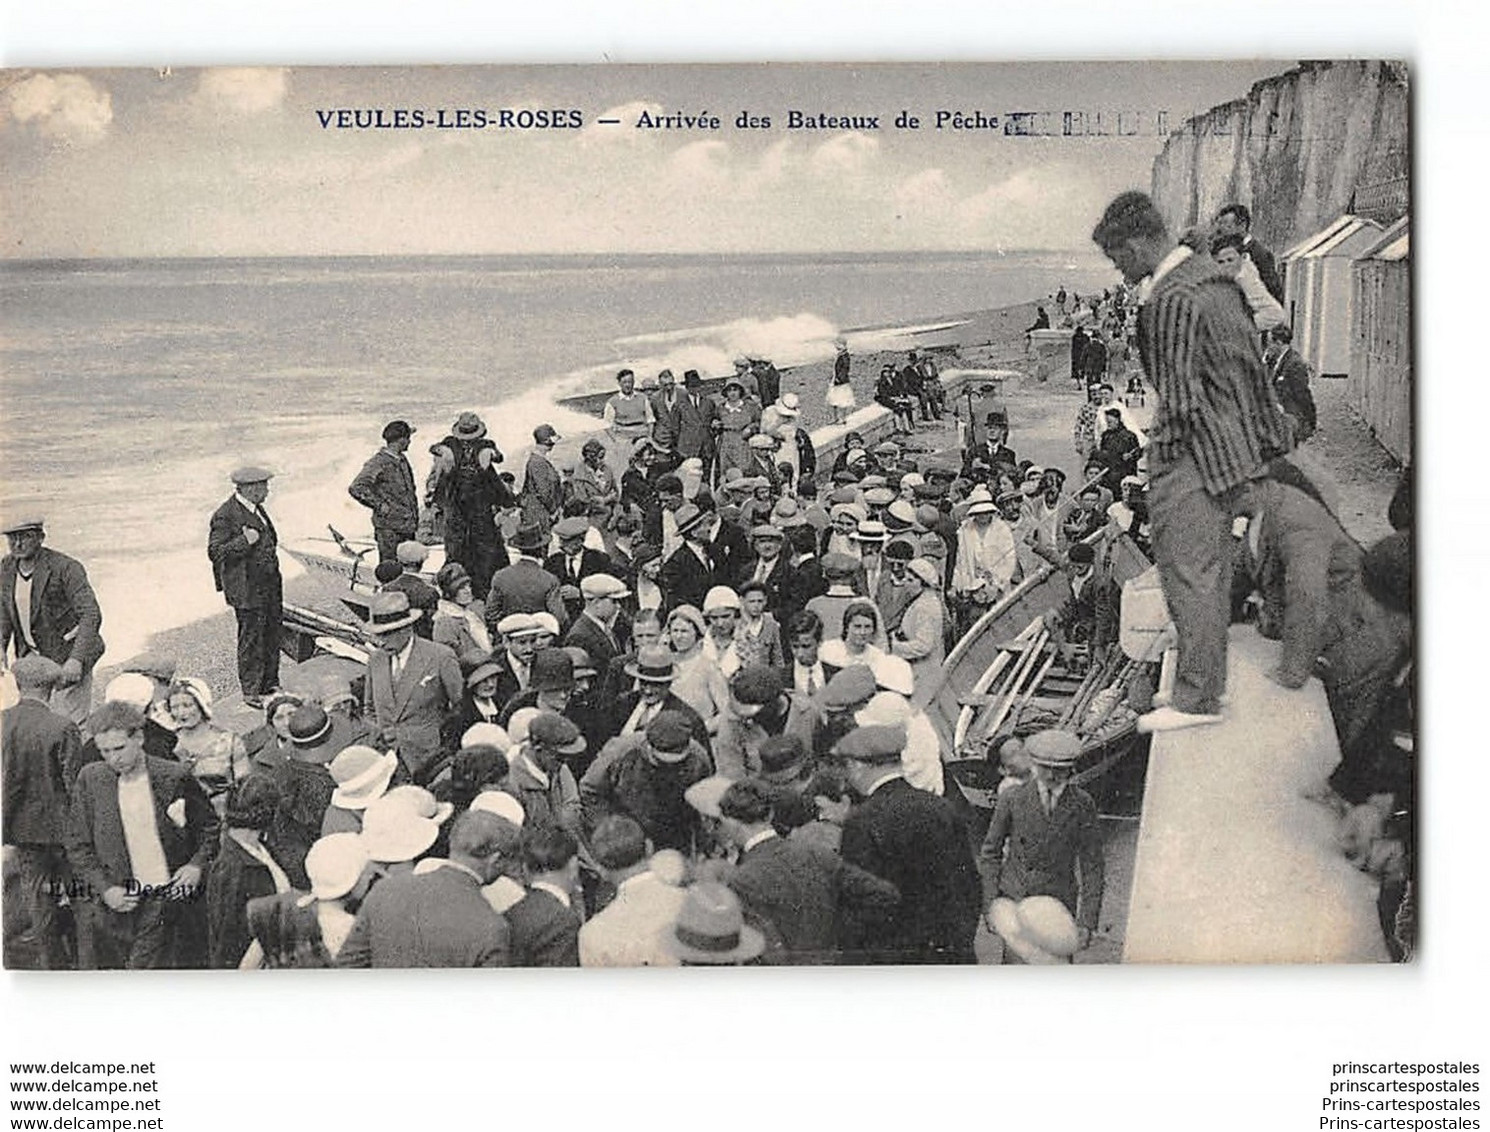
1321, 139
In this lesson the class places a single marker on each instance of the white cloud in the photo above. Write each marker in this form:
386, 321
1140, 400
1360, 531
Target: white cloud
847, 153
774, 161
701, 161
68, 107
922, 192
245, 90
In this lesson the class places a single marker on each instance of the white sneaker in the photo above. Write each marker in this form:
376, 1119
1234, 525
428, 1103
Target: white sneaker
1169, 719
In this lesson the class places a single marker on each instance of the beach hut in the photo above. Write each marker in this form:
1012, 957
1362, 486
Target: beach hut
1380, 383
1318, 291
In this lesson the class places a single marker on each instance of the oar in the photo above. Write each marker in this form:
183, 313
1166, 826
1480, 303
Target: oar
1026, 665
1034, 686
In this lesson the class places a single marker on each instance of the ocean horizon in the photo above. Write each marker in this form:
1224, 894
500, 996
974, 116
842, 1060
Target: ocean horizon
131, 387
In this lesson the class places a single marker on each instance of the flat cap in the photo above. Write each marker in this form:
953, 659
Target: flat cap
24, 523
1053, 748
766, 530
878, 744
669, 735
879, 496
555, 732
602, 585
574, 526
516, 624
848, 688
251, 473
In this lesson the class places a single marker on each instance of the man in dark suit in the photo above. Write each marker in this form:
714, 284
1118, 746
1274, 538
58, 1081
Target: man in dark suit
1291, 376
413, 685
60, 619
772, 569
728, 548
801, 890
545, 924
440, 919
36, 746
1054, 842
696, 428
689, 572
1236, 220
652, 671
599, 629
643, 776
243, 548
574, 561
665, 411
917, 842
140, 835
524, 586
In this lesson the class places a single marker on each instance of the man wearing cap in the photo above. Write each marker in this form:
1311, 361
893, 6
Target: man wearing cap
599, 629
385, 485
760, 708
542, 495
574, 561
440, 918
48, 607
771, 567
524, 586
643, 776
538, 777
37, 746
917, 842
412, 686
872, 538
140, 836
421, 593
466, 487
243, 548
1045, 839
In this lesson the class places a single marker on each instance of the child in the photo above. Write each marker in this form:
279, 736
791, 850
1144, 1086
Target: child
1014, 765
758, 640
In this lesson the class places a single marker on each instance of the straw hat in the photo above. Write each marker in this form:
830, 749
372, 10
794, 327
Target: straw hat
422, 803
392, 832
388, 611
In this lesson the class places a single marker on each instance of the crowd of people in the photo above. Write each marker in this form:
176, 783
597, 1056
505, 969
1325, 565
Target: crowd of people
663, 704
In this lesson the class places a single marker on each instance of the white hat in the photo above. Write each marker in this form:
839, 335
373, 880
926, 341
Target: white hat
602, 585
334, 865
983, 507
721, 597
790, 403
926, 571
422, 803
1034, 930
362, 775
894, 674
884, 709
486, 735
392, 831
516, 624
132, 688
502, 804
546, 622
520, 721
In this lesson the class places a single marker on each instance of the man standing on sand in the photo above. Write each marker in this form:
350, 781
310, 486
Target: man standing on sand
243, 548
468, 490
543, 488
1215, 428
48, 607
386, 486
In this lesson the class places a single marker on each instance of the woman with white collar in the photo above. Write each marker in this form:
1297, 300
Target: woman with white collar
697, 680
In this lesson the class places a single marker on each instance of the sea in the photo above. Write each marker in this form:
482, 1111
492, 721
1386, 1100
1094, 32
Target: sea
129, 389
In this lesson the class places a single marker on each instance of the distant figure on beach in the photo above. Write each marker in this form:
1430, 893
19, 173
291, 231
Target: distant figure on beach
1060, 301
385, 485
767, 380
48, 607
841, 390
1078, 354
243, 548
542, 497
628, 417
467, 488
1042, 321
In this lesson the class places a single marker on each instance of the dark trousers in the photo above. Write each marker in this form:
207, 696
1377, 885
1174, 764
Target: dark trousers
258, 648
40, 877
140, 940
388, 541
1193, 550
477, 545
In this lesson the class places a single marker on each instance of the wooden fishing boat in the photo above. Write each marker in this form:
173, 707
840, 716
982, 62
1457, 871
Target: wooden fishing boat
1007, 677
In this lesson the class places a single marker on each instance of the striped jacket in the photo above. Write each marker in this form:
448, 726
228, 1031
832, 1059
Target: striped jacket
1200, 351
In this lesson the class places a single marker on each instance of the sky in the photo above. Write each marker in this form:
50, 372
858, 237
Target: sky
237, 161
